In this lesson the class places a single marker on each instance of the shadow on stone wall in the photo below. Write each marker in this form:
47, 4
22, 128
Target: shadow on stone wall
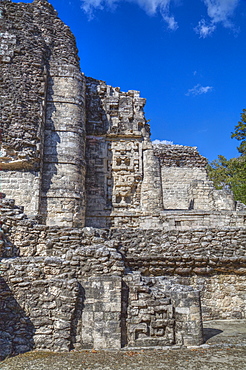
76, 318
50, 154
124, 306
16, 329
8, 249
98, 182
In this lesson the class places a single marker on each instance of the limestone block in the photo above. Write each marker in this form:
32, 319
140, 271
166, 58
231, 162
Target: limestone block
151, 190
17, 184
175, 185
65, 89
65, 147
65, 117
101, 319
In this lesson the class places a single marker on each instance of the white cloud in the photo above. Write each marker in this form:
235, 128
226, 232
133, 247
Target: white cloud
171, 23
165, 142
199, 90
204, 29
90, 5
151, 7
219, 11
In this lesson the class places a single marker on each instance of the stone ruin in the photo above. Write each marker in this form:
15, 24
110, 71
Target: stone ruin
107, 240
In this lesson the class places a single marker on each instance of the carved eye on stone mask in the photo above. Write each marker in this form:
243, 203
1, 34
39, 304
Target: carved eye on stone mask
127, 162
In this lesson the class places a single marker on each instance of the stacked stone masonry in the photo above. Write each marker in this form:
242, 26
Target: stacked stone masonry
107, 240
70, 288
42, 128
128, 287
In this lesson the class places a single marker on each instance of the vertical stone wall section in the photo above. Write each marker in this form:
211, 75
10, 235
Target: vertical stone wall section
101, 317
116, 130
42, 114
185, 183
161, 313
151, 191
63, 180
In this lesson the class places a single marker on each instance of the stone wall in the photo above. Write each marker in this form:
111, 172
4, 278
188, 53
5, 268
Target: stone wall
179, 156
44, 307
201, 252
24, 56
24, 187
116, 129
36, 310
71, 288
210, 260
161, 313
222, 293
184, 220
210, 254
185, 183
176, 183
43, 128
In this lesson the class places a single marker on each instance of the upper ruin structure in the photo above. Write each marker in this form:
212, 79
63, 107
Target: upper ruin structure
77, 152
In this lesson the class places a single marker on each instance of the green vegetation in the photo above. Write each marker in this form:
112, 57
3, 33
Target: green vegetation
240, 133
231, 173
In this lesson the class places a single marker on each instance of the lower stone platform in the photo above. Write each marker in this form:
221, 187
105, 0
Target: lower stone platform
225, 348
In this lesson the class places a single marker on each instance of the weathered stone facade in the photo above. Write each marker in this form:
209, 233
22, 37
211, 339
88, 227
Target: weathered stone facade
113, 240
43, 128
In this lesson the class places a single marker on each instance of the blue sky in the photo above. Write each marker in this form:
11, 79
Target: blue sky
186, 57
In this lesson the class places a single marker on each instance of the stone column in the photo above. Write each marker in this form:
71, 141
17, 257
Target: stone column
63, 195
151, 192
